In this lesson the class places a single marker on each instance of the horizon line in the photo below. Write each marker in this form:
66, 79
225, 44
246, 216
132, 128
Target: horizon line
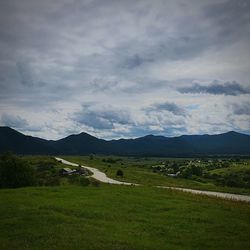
122, 138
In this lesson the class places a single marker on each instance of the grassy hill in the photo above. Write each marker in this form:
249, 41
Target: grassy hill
63, 213
119, 217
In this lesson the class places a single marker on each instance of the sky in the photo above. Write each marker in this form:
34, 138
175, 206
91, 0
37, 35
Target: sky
125, 69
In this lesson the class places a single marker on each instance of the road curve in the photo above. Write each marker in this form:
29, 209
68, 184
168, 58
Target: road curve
100, 176
97, 174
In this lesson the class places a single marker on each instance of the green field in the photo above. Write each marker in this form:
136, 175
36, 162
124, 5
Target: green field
119, 217
75, 212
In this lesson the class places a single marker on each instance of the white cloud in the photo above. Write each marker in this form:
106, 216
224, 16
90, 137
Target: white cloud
124, 55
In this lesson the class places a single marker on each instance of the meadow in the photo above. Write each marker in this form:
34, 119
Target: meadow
119, 217
61, 212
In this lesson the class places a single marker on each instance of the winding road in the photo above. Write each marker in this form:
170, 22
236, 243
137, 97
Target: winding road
97, 174
100, 176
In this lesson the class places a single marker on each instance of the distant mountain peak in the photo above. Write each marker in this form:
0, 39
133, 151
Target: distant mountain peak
7, 129
85, 134
148, 136
232, 132
153, 136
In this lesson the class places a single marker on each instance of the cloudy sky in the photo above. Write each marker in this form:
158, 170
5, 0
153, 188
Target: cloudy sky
116, 68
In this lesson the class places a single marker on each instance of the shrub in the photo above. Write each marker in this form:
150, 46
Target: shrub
15, 172
192, 170
119, 173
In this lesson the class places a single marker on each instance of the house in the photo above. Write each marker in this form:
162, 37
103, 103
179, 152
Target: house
66, 171
174, 175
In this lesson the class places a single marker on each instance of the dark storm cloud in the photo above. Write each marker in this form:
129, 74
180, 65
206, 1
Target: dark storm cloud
231, 18
216, 88
122, 54
167, 106
217, 25
101, 118
41, 31
241, 108
135, 54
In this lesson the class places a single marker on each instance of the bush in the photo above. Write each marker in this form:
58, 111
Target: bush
192, 170
15, 172
49, 177
119, 173
231, 181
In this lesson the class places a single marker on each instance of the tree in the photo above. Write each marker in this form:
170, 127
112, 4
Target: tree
15, 172
119, 173
174, 166
192, 170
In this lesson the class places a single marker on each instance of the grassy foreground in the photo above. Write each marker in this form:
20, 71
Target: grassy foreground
119, 217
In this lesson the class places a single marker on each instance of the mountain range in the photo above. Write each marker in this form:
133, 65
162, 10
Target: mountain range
230, 143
